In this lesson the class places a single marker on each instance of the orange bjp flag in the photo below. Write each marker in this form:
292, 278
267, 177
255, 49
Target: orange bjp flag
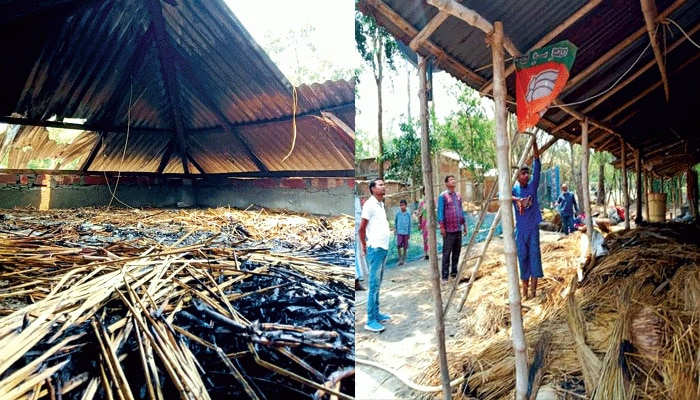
540, 76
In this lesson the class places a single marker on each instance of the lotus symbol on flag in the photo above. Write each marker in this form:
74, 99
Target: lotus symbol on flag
541, 85
541, 76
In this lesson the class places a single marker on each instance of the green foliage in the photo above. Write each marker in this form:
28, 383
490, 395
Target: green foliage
43, 163
361, 151
377, 48
374, 43
298, 45
63, 136
73, 165
470, 133
404, 156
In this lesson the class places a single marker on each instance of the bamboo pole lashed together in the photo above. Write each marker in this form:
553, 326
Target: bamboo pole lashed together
506, 205
432, 240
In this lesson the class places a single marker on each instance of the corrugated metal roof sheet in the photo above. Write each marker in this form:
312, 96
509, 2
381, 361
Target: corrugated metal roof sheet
178, 76
610, 37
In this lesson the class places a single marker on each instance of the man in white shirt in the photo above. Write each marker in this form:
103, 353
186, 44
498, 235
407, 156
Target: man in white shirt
374, 236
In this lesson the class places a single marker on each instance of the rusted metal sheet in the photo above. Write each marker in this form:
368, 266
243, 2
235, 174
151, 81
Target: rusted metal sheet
615, 79
169, 76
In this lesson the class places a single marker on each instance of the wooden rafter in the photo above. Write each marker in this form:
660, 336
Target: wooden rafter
650, 20
606, 143
341, 125
649, 90
428, 29
551, 35
166, 55
93, 152
440, 54
627, 81
597, 65
474, 19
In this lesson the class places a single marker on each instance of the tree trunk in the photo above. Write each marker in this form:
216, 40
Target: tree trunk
506, 204
575, 173
378, 77
408, 90
600, 197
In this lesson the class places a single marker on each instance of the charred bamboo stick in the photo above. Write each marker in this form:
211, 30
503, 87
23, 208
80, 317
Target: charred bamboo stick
237, 374
110, 358
294, 376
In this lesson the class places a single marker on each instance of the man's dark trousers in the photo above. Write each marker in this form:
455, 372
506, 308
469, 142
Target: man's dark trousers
451, 246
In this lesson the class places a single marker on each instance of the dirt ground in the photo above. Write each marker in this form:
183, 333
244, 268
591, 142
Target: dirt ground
408, 345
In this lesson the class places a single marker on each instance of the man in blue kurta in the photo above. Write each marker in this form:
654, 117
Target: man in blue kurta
527, 219
567, 209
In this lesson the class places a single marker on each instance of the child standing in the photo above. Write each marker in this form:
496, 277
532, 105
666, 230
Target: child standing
402, 222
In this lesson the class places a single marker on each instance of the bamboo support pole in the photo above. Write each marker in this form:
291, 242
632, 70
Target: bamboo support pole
432, 240
584, 181
505, 200
640, 191
492, 230
625, 186
470, 245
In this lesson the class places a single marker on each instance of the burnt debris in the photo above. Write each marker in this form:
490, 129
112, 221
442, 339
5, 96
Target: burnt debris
165, 304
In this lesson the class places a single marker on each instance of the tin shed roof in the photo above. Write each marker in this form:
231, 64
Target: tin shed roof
635, 75
161, 87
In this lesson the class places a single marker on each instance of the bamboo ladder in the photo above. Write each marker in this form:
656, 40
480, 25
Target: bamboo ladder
479, 258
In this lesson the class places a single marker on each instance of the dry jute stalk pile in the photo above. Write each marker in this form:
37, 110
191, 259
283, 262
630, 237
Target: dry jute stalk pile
163, 304
629, 330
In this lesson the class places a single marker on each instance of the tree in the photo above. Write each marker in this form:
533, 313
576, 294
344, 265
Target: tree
470, 133
404, 156
378, 49
362, 145
298, 45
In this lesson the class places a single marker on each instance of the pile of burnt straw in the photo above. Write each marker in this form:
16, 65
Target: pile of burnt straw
629, 330
165, 304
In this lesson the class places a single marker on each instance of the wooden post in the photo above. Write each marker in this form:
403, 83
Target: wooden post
692, 191
432, 227
640, 193
649, 189
584, 180
625, 189
506, 203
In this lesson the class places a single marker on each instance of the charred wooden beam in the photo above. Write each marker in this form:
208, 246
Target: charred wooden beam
166, 56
